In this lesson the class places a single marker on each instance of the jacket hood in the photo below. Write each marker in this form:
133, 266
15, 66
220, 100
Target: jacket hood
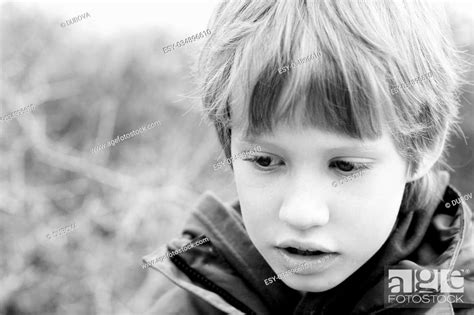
228, 271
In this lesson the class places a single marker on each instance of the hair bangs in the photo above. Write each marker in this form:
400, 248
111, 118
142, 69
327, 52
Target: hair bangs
320, 95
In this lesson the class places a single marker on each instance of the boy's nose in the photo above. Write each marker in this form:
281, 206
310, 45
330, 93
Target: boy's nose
304, 206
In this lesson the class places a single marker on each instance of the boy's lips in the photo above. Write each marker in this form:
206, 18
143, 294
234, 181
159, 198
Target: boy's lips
296, 251
303, 248
318, 257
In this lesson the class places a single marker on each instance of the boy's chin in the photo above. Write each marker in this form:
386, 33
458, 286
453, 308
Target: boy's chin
307, 285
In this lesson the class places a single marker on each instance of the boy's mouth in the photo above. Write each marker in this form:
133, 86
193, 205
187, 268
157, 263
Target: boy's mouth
316, 256
305, 248
296, 251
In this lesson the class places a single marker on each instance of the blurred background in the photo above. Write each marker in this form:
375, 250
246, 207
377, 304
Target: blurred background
92, 81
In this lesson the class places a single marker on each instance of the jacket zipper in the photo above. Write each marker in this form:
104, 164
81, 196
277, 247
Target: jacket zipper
193, 274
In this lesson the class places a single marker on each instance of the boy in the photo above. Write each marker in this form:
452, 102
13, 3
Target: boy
336, 245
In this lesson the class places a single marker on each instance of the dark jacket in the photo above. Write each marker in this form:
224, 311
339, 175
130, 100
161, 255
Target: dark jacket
225, 275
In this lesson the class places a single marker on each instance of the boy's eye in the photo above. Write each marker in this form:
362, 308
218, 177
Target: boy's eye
264, 161
347, 167
344, 166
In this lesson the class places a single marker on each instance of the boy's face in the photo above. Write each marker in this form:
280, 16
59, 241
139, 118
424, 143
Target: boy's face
295, 204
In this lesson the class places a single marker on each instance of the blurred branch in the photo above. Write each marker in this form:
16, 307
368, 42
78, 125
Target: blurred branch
107, 120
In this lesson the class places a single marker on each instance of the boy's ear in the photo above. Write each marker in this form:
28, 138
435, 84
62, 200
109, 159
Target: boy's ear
427, 161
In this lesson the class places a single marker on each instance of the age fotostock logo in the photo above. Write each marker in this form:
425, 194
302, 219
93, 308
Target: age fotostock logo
421, 287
